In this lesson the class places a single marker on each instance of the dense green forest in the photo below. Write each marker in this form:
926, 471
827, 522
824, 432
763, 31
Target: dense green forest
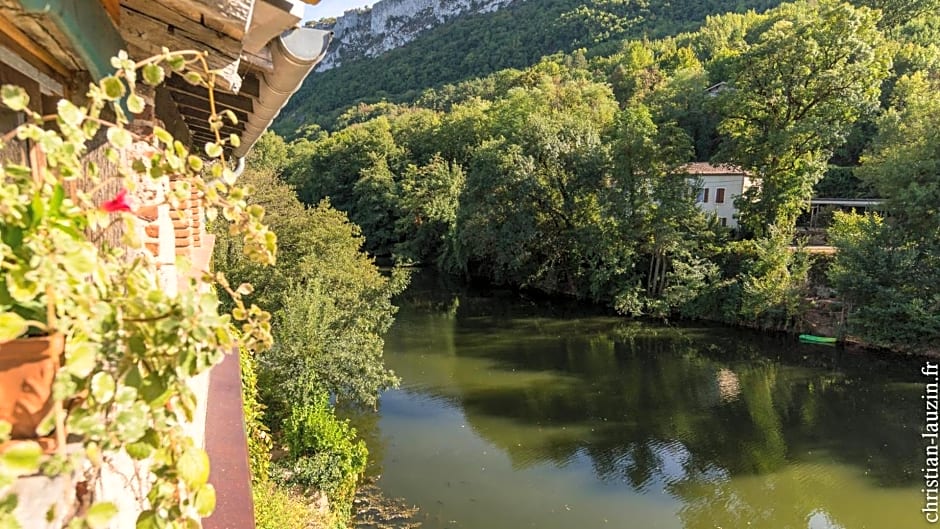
566, 177
476, 45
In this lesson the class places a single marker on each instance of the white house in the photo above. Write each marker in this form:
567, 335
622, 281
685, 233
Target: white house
718, 186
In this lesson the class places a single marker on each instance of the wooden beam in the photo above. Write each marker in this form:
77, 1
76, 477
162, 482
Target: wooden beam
79, 27
177, 84
52, 80
179, 22
228, 16
187, 101
202, 116
17, 40
260, 59
39, 36
113, 7
149, 34
198, 125
169, 112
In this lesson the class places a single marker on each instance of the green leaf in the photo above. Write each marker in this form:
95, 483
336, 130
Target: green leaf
23, 458
12, 326
193, 467
176, 62
193, 78
230, 115
113, 88
139, 450
136, 104
80, 359
102, 387
99, 515
195, 163
163, 135
14, 97
120, 138
131, 424
205, 500
58, 195
149, 520
214, 150
234, 140
153, 74
70, 113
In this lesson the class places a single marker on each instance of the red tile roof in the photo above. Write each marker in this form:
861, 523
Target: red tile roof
705, 168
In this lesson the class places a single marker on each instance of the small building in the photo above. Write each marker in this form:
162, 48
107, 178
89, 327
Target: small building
718, 187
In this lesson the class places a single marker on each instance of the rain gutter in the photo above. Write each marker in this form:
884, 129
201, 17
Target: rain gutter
294, 54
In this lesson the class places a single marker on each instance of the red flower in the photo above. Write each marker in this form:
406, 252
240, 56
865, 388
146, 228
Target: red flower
120, 202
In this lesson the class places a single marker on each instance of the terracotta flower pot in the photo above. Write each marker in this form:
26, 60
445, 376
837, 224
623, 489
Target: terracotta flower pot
27, 370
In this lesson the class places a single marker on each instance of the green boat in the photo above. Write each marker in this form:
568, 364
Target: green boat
816, 339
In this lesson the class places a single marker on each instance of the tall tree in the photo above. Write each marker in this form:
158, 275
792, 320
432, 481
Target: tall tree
889, 270
809, 71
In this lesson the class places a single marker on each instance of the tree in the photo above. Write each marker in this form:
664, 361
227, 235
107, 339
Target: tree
889, 269
429, 201
330, 303
903, 163
895, 13
270, 153
809, 71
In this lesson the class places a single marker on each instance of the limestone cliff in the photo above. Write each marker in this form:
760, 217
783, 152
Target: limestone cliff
388, 24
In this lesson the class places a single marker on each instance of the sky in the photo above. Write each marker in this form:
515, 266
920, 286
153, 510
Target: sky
333, 8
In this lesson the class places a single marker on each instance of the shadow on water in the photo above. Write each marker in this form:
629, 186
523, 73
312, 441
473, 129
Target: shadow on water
728, 427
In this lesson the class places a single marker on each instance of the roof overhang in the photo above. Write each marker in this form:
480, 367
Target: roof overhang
259, 53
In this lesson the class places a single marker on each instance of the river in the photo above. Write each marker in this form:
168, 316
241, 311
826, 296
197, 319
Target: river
517, 412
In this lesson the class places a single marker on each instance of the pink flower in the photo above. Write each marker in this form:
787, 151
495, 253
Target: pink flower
120, 202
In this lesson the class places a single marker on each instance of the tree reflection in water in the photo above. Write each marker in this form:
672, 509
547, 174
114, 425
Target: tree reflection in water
735, 426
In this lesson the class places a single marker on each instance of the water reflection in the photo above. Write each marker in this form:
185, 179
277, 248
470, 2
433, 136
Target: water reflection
648, 426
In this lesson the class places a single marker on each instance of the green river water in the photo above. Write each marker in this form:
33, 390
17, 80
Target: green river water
516, 413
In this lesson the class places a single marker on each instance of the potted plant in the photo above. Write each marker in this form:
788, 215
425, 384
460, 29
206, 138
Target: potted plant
105, 351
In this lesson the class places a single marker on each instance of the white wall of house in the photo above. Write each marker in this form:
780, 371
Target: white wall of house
717, 193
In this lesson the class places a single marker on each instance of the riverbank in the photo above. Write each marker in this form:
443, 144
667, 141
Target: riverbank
822, 312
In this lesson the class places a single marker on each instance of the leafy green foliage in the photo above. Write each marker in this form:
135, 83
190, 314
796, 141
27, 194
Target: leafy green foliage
131, 347
775, 283
325, 454
428, 209
805, 74
566, 176
278, 506
887, 269
516, 36
885, 279
259, 438
331, 303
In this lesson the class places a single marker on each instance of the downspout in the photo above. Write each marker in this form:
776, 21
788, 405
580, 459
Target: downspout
239, 167
294, 54
88, 28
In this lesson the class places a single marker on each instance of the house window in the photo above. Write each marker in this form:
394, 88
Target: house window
720, 195
723, 221
705, 196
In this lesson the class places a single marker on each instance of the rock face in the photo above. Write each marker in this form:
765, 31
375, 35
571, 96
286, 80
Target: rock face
388, 24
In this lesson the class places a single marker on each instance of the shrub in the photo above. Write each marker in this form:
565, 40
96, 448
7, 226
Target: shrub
885, 278
325, 453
